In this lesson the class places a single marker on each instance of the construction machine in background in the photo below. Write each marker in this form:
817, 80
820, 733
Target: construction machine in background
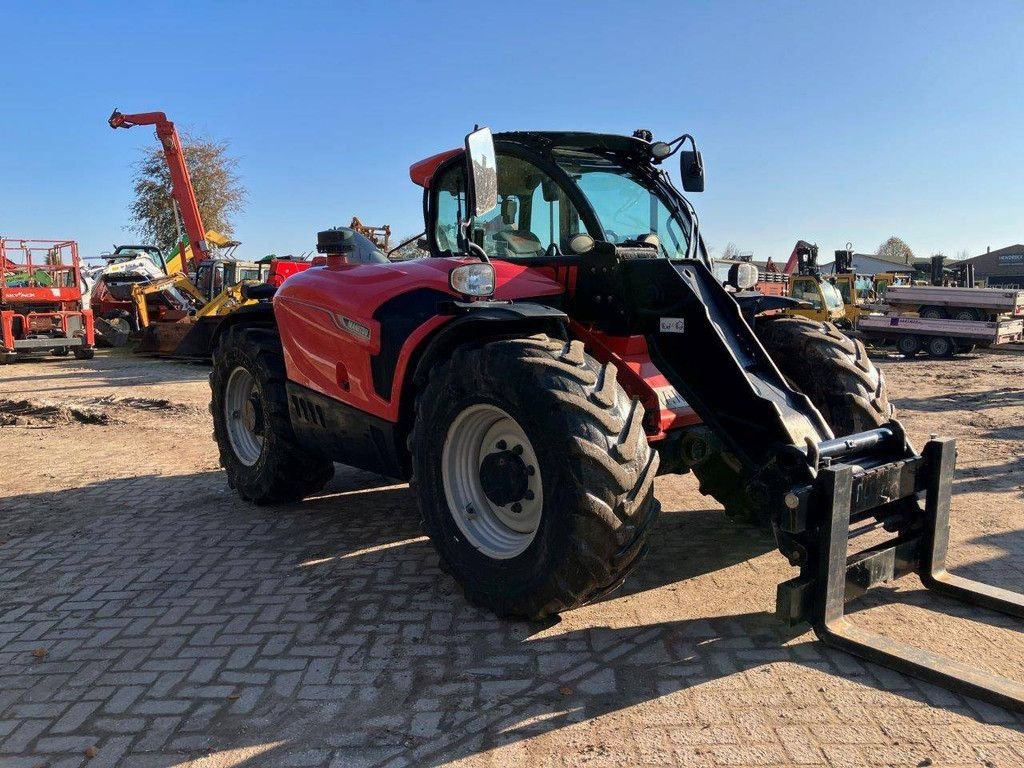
41, 305
566, 342
802, 281
379, 236
203, 281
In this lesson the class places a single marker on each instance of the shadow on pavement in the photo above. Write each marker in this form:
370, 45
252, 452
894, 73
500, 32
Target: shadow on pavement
341, 634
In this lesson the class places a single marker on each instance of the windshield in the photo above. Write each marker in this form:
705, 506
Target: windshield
628, 207
832, 298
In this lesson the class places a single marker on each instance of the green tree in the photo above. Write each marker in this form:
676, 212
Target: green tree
895, 250
217, 186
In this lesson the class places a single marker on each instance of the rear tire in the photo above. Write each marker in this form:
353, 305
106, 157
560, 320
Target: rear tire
838, 377
591, 491
932, 313
251, 425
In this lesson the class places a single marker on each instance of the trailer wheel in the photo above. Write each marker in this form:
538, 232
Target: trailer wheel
84, 353
909, 345
835, 373
941, 346
249, 405
533, 475
967, 313
60, 351
932, 313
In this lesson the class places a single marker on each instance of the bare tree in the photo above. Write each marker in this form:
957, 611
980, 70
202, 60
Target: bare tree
731, 251
963, 254
895, 250
218, 190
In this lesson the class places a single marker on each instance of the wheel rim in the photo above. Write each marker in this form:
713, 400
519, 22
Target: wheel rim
243, 413
492, 481
908, 345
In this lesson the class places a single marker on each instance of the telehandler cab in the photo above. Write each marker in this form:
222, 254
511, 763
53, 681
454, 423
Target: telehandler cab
565, 343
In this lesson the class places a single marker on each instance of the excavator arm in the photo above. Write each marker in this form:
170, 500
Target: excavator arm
181, 183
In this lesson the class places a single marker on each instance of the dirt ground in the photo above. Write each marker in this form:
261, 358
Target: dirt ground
148, 617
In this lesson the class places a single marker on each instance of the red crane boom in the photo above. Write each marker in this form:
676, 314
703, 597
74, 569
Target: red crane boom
181, 182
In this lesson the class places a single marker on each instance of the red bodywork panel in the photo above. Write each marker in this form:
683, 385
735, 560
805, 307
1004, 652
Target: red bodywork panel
666, 409
282, 269
326, 318
423, 171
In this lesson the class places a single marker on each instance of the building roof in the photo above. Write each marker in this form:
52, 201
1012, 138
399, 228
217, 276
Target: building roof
1003, 261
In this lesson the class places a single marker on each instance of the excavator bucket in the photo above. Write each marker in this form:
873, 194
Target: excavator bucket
163, 339
195, 344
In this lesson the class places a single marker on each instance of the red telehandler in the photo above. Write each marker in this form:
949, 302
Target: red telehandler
566, 342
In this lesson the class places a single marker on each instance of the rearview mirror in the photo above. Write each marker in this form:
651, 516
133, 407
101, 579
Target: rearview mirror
691, 170
482, 172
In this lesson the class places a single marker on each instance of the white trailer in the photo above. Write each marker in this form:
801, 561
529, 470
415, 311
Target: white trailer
938, 337
937, 302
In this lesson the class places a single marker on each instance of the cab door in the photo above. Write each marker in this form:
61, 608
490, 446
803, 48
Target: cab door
806, 289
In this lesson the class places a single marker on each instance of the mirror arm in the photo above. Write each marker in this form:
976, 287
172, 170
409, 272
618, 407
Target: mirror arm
472, 248
677, 144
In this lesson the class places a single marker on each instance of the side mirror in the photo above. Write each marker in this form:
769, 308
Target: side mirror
691, 170
482, 172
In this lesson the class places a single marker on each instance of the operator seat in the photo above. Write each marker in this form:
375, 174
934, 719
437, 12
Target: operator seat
518, 243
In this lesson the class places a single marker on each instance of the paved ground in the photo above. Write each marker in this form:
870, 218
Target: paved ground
149, 618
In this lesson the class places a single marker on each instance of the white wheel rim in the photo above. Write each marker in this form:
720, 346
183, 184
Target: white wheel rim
244, 417
486, 447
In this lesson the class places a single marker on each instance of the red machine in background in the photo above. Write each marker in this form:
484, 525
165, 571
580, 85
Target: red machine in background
41, 300
181, 185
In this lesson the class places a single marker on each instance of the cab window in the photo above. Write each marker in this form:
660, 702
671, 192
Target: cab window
807, 290
533, 212
844, 290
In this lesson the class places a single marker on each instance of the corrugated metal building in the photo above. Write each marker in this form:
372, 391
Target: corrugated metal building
1002, 268
870, 264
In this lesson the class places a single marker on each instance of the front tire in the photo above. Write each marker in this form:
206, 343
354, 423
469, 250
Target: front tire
249, 404
838, 377
525, 543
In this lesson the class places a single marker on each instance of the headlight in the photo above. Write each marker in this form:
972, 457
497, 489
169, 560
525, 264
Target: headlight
473, 279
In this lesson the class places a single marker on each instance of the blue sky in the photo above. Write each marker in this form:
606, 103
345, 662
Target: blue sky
823, 121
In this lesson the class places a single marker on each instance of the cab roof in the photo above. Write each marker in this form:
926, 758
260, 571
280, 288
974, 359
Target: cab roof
543, 141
